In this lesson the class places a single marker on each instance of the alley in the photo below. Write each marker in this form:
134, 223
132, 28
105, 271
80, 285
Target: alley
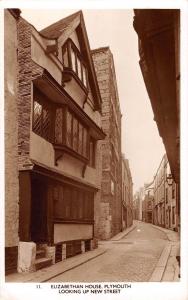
131, 259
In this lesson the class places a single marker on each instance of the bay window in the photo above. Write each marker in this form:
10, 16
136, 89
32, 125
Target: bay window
76, 134
73, 204
73, 61
61, 126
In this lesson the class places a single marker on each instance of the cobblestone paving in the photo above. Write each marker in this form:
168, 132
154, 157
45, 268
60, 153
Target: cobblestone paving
131, 259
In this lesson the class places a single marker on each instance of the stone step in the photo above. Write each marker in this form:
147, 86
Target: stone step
41, 246
40, 253
43, 263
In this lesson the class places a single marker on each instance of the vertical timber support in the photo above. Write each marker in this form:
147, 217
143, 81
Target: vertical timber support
25, 206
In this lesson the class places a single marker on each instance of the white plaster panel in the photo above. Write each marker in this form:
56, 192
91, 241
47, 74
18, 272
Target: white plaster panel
68, 232
94, 115
42, 151
38, 55
71, 165
91, 175
75, 91
74, 38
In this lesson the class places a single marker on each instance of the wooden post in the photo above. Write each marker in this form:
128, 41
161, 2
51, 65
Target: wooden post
25, 206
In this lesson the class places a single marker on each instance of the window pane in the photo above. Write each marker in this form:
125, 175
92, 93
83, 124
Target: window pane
80, 206
46, 123
69, 129
74, 212
91, 206
67, 203
73, 59
79, 68
65, 58
58, 202
92, 153
80, 139
84, 75
37, 117
55, 201
58, 126
75, 134
84, 149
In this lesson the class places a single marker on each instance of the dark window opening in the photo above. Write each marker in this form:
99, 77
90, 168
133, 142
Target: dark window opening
92, 153
73, 204
73, 60
73, 248
58, 253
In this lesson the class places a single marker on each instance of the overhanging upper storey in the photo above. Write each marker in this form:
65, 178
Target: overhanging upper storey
73, 50
159, 33
60, 120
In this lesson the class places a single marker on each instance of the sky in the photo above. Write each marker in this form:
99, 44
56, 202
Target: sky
141, 143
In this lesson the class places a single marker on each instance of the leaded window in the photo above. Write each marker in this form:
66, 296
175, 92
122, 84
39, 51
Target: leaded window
73, 204
42, 114
75, 134
59, 126
92, 152
69, 129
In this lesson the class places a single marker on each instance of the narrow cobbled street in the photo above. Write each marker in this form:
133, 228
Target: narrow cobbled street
132, 258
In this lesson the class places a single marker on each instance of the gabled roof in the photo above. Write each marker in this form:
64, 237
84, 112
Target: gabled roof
55, 30
76, 22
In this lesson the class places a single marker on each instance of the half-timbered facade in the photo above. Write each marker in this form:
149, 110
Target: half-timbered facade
59, 125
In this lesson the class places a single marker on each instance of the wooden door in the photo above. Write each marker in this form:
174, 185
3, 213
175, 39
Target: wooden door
39, 211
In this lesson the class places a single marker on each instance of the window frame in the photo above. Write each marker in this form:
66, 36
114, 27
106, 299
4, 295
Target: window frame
70, 47
81, 205
74, 145
45, 103
81, 148
92, 158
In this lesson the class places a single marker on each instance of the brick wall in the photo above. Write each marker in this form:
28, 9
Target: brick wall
109, 215
28, 71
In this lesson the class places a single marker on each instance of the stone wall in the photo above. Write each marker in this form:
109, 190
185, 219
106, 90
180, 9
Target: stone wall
109, 215
11, 134
28, 71
11, 141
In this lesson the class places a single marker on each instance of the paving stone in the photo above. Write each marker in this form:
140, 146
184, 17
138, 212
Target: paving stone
132, 259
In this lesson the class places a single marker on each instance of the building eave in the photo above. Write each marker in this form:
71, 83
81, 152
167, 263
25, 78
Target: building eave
158, 61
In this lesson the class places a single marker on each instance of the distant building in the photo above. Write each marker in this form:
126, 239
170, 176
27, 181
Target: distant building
138, 198
171, 215
108, 216
165, 212
159, 194
135, 207
159, 49
53, 124
147, 203
127, 194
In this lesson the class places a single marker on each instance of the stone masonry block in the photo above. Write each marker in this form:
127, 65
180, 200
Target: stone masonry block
83, 246
26, 257
64, 251
50, 253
